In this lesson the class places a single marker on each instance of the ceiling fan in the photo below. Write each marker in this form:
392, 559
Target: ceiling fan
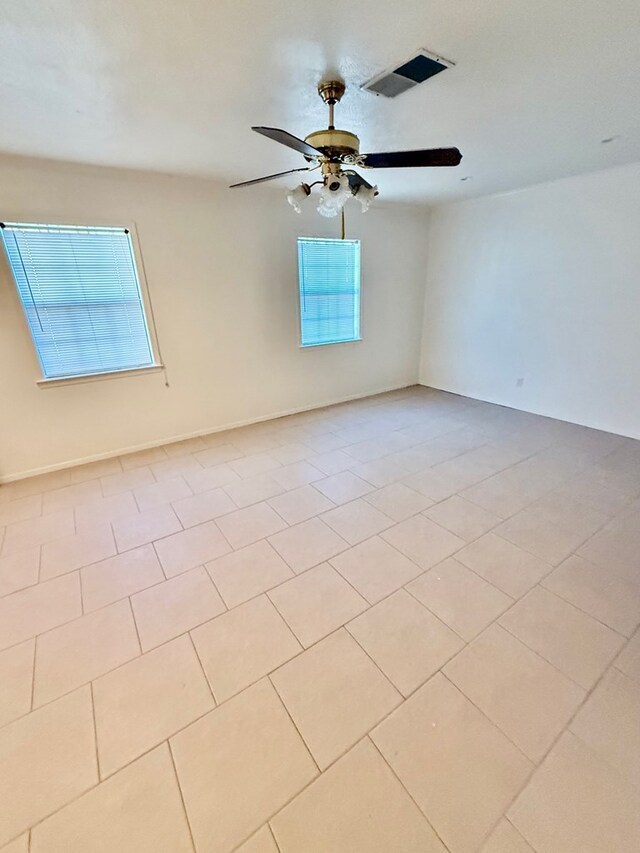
334, 152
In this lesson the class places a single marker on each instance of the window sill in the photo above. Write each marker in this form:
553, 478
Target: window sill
93, 377
331, 343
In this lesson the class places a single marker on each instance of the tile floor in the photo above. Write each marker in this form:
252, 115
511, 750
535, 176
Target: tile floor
405, 624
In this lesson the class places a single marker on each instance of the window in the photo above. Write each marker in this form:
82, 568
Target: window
80, 293
329, 275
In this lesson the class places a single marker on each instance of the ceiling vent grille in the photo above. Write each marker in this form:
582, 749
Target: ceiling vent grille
420, 67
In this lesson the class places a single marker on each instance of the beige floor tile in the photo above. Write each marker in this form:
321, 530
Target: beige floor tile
525, 696
357, 521
69, 496
48, 759
423, 541
93, 470
138, 810
20, 510
380, 472
316, 603
334, 461
260, 764
243, 574
115, 484
191, 548
73, 552
253, 490
144, 527
168, 609
18, 571
207, 479
464, 518
628, 661
375, 568
243, 645
140, 458
24, 535
407, 642
300, 504
203, 507
78, 652
120, 576
39, 608
573, 642
335, 695
165, 492
305, 545
577, 803
221, 453
609, 723
20, 845
146, 700
535, 533
104, 510
261, 842
506, 839
500, 495
185, 446
606, 596
35, 485
175, 467
297, 474
453, 762
357, 806
615, 548
287, 454
398, 501
462, 599
343, 487
503, 564
254, 464
16, 678
435, 484
245, 526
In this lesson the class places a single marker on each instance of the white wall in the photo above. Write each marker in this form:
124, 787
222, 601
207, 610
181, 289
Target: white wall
222, 271
540, 285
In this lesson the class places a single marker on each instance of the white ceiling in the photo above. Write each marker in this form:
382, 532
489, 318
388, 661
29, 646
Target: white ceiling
175, 86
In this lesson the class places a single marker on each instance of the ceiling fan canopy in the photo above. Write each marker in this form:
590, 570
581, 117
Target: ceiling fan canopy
332, 149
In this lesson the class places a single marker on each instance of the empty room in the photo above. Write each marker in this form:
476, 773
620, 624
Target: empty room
319, 427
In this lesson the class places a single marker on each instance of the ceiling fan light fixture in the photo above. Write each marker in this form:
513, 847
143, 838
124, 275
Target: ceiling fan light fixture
333, 194
297, 195
365, 196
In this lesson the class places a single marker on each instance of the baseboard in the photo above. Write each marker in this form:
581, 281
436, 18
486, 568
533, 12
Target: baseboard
111, 454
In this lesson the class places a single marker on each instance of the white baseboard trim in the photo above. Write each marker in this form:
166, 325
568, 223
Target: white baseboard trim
97, 457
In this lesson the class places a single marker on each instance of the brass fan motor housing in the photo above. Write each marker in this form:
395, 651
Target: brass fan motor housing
335, 144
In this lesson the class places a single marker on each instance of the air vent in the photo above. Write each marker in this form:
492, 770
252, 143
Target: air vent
408, 75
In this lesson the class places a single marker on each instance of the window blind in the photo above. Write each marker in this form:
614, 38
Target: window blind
329, 280
80, 292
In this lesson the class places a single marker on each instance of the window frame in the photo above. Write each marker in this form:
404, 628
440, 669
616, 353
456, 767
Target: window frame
157, 365
350, 341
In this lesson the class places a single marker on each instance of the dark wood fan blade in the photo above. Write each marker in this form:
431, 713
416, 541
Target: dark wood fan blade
268, 178
399, 159
289, 140
356, 181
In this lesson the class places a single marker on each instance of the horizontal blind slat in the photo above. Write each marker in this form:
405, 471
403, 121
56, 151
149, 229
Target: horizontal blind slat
80, 292
329, 282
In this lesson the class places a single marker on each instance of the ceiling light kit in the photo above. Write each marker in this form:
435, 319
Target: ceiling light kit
334, 152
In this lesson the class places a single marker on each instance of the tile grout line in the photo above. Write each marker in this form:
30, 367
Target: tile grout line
405, 789
180, 791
